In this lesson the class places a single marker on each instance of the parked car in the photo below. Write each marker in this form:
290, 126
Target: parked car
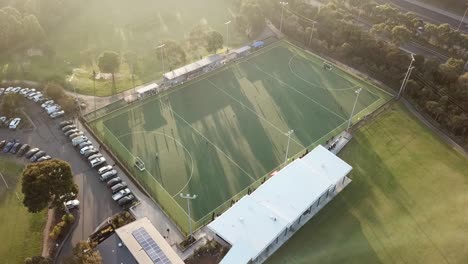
16, 90
126, 200
31, 152
71, 131
47, 103
8, 146
14, 124
72, 204
68, 127
84, 144
2, 143
38, 155
76, 134
65, 123
37, 98
57, 114
97, 162
82, 150
32, 95
118, 187
3, 119
90, 152
44, 158
52, 108
121, 194
104, 169
113, 181
95, 156
2, 90
24, 91
23, 150
108, 175
15, 148
80, 139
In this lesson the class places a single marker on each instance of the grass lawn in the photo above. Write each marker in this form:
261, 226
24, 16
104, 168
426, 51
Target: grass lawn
21, 232
218, 135
407, 202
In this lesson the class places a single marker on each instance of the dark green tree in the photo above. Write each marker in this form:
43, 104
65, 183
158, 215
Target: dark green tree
109, 62
214, 41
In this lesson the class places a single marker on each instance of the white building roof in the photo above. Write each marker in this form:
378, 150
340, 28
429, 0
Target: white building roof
153, 249
256, 220
242, 50
147, 88
192, 67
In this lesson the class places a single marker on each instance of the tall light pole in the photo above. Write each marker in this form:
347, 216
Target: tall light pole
282, 12
407, 75
288, 134
227, 31
162, 54
463, 18
94, 86
188, 197
358, 91
312, 32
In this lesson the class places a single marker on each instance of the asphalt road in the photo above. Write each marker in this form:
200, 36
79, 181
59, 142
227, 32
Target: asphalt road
429, 13
96, 202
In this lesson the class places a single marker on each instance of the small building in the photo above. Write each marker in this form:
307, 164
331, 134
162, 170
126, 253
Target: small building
242, 52
258, 44
259, 223
193, 69
138, 242
146, 90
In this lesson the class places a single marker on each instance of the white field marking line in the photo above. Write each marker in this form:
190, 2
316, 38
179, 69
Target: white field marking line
6, 184
294, 89
152, 177
237, 165
253, 111
175, 140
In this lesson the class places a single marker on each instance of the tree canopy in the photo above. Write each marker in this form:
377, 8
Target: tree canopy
84, 253
214, 41
45, 182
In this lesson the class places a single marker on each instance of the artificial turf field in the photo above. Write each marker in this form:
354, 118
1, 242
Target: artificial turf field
407, 202
217, 135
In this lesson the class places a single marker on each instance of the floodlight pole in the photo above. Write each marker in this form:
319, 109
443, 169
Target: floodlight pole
94, 86
407, 75
188, 197
463, 18
283, 4
288, 134
312, 32
162, 54
358, 91
227, 31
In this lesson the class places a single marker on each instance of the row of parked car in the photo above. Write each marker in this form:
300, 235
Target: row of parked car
120, 191
15, 147
53, 110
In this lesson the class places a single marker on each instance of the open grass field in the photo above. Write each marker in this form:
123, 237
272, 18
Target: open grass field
407, 202
221, 134
20, 231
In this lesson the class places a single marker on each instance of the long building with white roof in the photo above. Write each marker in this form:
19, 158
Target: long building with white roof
259, 223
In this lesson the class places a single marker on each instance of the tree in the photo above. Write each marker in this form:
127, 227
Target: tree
45, 182
57, 93
38, 260
401, 34
214, 41
10, 104
84, 253
174, 54
109, 62
451, 70
253, 15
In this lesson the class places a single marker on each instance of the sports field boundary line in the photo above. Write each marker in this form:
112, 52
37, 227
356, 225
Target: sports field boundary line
152, 177
294, 89
214, 145
338, 66
261, 117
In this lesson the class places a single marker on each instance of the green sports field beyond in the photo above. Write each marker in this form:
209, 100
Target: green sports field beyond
222, 134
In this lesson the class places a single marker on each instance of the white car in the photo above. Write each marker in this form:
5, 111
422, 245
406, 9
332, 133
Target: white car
31, 91
16, 90
52, 108
37, 98
108, 175
97, 162
57, 114
2, 119
47, 103
84, 149
23, 91
2, 90
95, 156
84, 144
14, 124
79, 139
31, 95
105, 169
72, 204
121, 194
8, 90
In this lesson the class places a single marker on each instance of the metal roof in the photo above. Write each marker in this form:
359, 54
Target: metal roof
242, 50
257, 219
192, 67
147, 88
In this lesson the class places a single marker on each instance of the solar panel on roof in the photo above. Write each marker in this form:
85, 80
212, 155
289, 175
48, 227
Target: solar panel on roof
152, 249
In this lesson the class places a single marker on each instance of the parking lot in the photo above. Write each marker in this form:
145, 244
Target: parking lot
95, 198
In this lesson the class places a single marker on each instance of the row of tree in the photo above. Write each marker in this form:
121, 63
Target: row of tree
335, 34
